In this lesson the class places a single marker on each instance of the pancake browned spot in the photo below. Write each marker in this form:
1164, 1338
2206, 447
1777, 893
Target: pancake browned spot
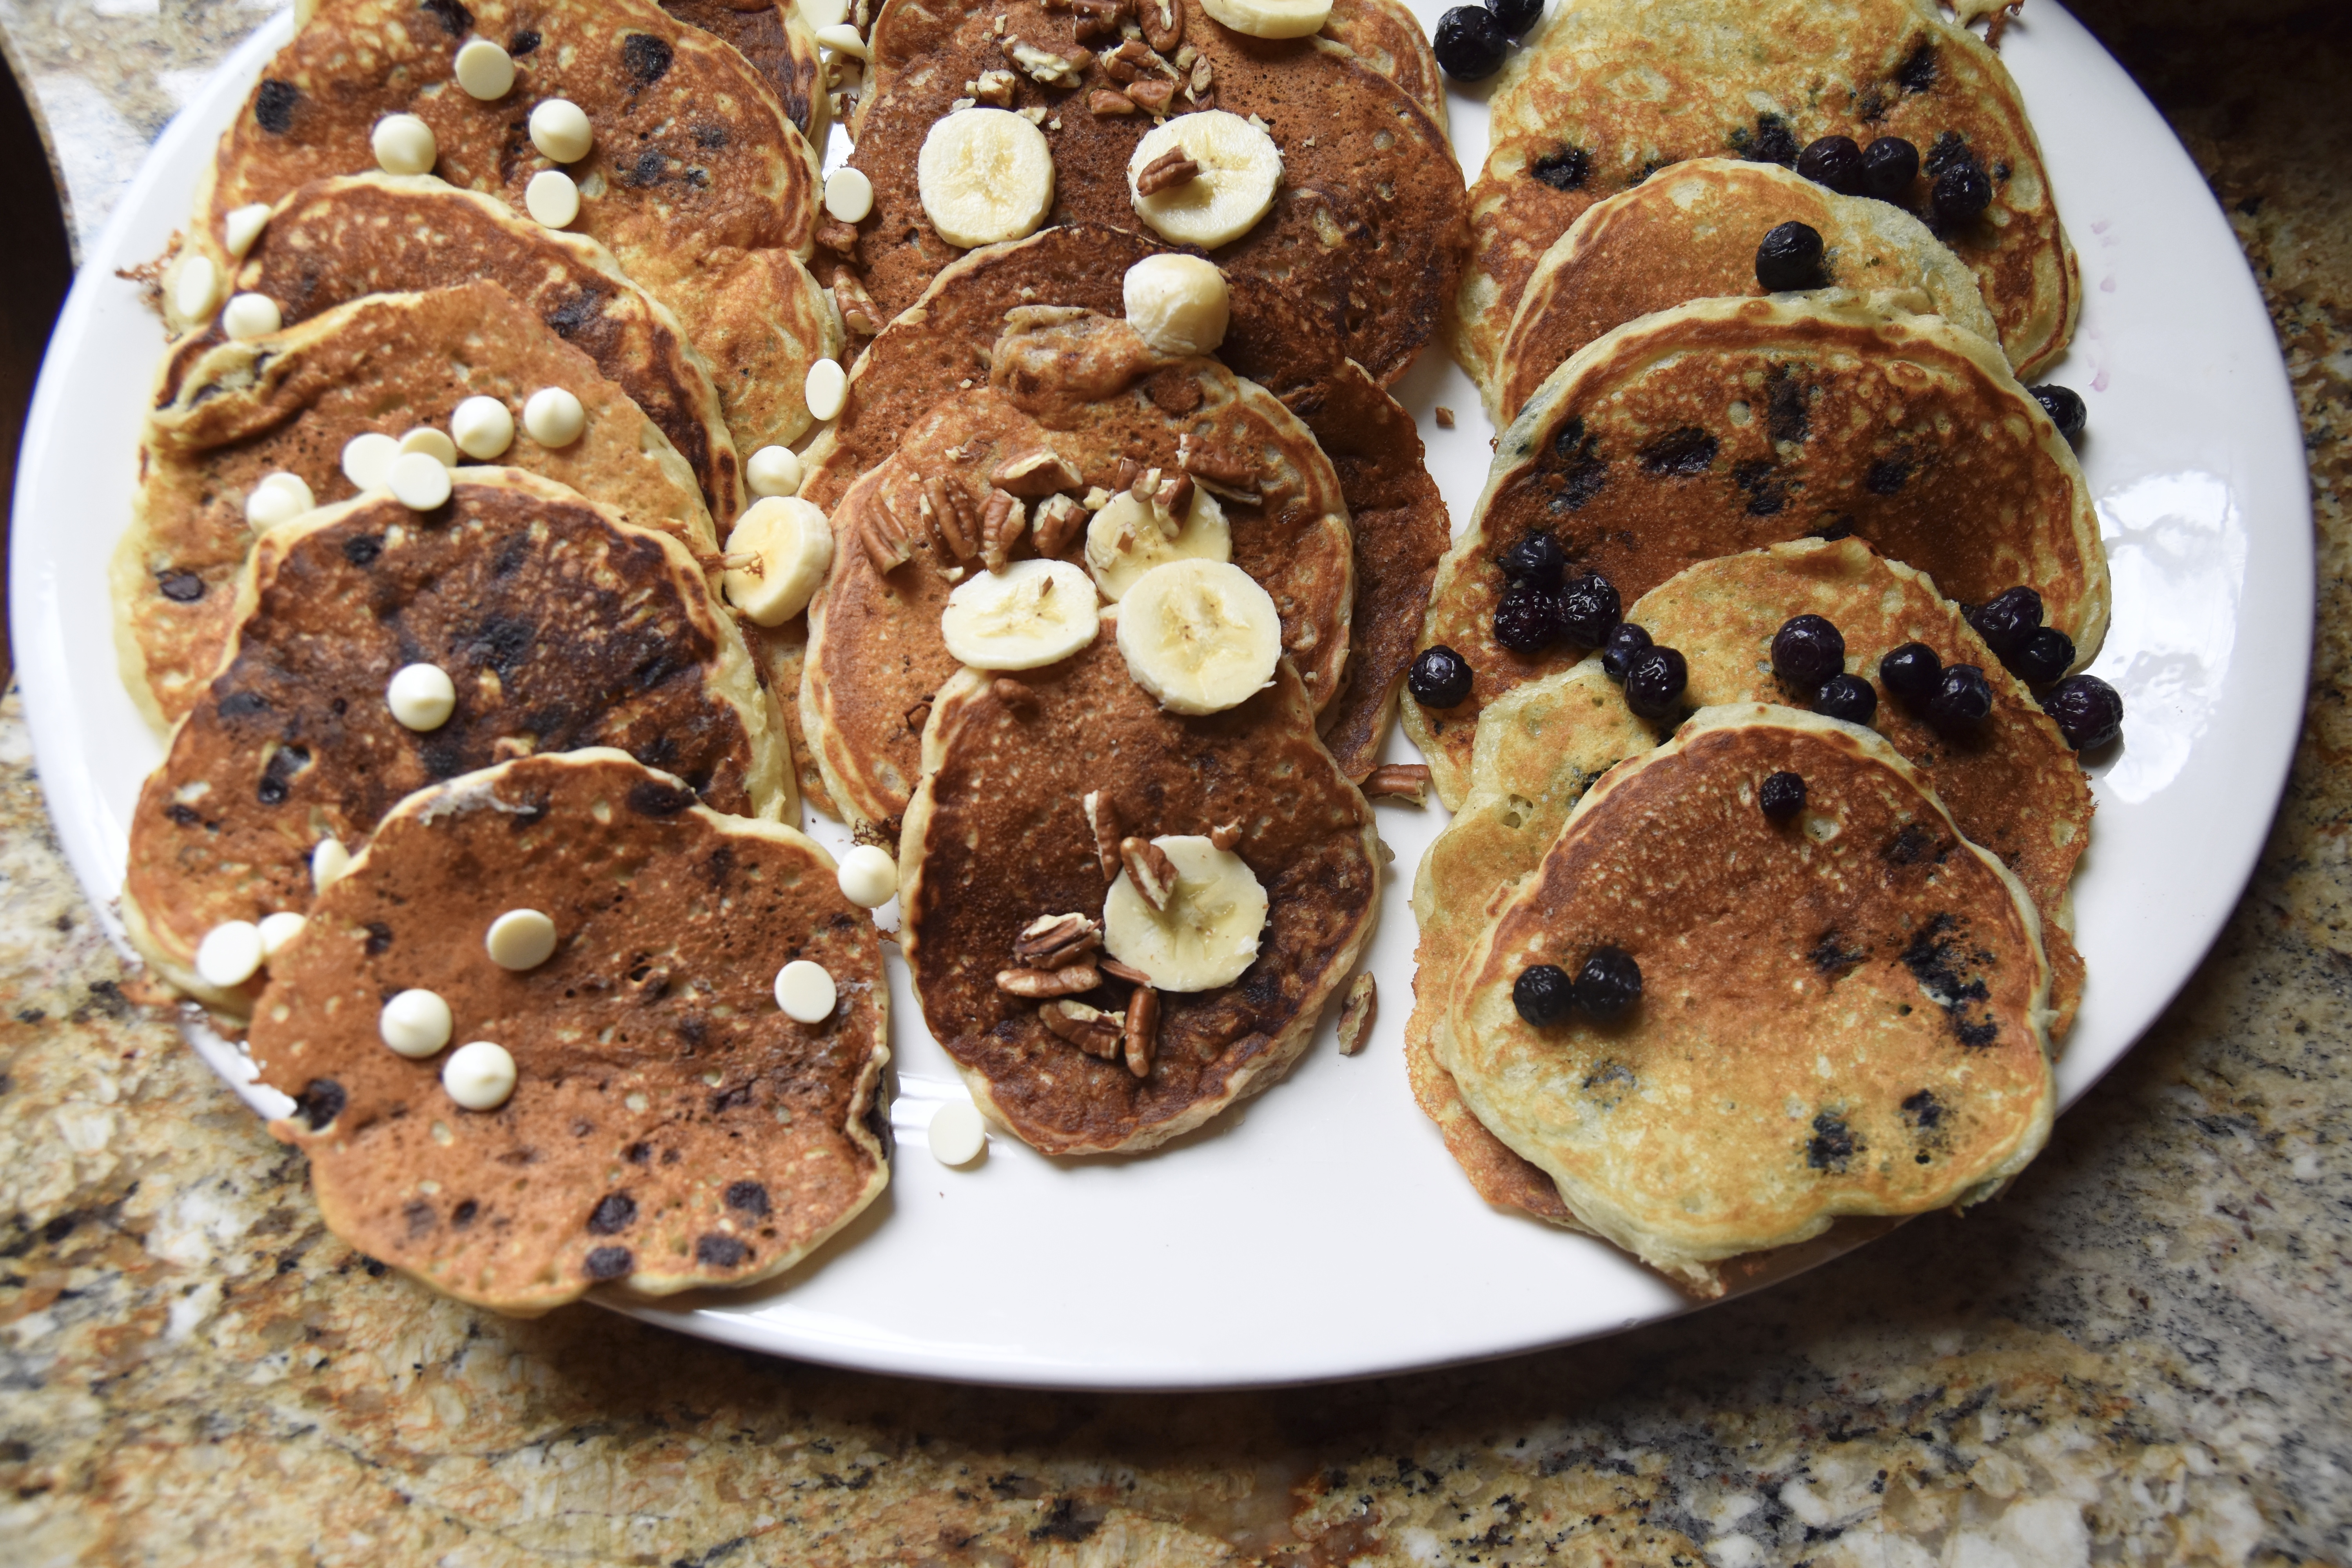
670, 1126
780, 46
998, 836
559, 627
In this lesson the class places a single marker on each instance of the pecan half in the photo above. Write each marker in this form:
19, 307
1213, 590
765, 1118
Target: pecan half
1035, 474
1055, 941
859, 314
1104, 823
1171, 168
1092, 1030
1103, 103
1221, 473
1126, 971
1002, 523
885, 538
1142, 1031
1059, 520
1150, 870
1096, 18
1399, 781
1034, 984
1356, 1014
1162, 22
949, 511
1202, 82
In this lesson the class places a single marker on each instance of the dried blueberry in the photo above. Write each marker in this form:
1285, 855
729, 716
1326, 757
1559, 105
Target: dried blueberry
1789, 257
1833, 161
1538, 559
1806, 651
1527, 618
2007, 621
1888, 166
1516, 16
1625, 640
2064, 406
1589, 608
1470, 43
1783, 796
1440, 678
1654, 679
2044, 659
1610, 983
1846, 697
1911, 672
1963, 697
1961, 192
1543, 993
2089, 712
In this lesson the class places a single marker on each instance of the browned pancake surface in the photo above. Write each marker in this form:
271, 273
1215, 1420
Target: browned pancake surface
779, 46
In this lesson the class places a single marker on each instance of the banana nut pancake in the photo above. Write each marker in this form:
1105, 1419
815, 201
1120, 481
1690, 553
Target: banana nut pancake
781, 46
1727, 425
999, 835
1691, 232
558, 625
1367, 222
288, 403
1399, 519
338, 240
695, 179
1086, 403
1386, 39
1839, 1014
1608, 92
669, 1125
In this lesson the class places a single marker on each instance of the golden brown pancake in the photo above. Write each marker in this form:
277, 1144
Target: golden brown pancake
696, 181
1368, 224
1690, 232
670, 1126
1608, 92
1727, 425
780, 46
997, 835
1834, 1018
288, 403
782, 653
559, 626
1385, 37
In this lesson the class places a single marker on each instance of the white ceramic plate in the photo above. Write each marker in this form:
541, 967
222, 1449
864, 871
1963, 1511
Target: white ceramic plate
1322, 1231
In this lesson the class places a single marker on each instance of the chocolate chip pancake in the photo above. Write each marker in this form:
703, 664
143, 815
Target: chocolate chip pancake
1840, 1014
1000, 835
1399, 520
670, 1126
1608, 92
1367, 222
288, 403
1691, 232
1727, 425
780, 46
559, 626
1083, 394
694, 178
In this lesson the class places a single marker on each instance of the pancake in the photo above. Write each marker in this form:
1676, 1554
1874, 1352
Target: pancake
1842, 1015
1385, 37
697, 182
1088, 390
997, 837
1607, 92
1368, 226
669, 1127
782, 653
1399, 519
1690, 232
289, 402
780, 46
561, 627
1727, 425
338, 240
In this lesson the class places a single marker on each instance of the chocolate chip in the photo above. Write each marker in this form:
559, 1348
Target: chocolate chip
1886, 477
748, 1196
522, 43
614, 1212
646, 56
186, 815
321, 1101
363, 549
463, 1214
273, 106
1788, 414
181, 587
379, 938
1682, 454
651, 797
1566, 169
453, 16
637, 1153
713, 1250
608, 1263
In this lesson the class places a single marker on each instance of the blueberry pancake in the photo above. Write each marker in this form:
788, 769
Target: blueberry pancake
1718, 1026
289, 402
555, 625
663, 1124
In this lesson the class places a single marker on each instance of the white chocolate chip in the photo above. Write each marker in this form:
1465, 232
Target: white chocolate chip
842, 38
277, 930
416, 1024
483, 427
560, 129
368, 459
248, 316
805, 992
427, 440
422, 695
243, 226
419, 480
277, 498
479, 1076
229, 953
773, 471
869, 876
553, 418
551, 198
825, 390
520, 939
823, 13
958, 1134
329, 861
485, 70
404, 146
848, 195
196, 287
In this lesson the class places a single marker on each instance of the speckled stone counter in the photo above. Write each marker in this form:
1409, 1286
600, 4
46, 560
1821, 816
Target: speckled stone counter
2138, 1356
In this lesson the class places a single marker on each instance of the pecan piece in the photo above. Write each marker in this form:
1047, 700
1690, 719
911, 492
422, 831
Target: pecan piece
1059, 520
1162, 22
1096, 18
1150, 870
1126, 62
1055, 941
949, 510
1152, 95
1357, 1013
995, 87
1225, 834
1167, 495
1002, 523
1103, 103
1171, 168
836, 235
1399, 781
859, 314
1221, 474
1036, 984
1014, 694
1142, 1031
1104, 822
1126, 971
1202, 82
886, 538
1092, 1030
1035, 474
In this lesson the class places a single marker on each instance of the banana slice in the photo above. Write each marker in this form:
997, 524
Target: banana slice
984, 175
1178, 304
1223, 181
794, 545
1129, 537
1033, 613
1199, 635
1270, 18
1206, 936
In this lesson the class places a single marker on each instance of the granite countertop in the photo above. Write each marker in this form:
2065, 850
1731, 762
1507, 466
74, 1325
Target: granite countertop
2138, 1356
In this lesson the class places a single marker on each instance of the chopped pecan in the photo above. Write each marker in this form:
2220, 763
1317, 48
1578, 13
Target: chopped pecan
1092, 1030
1096, 18
1225, 834
1167, 495
1171, 168
1104, 822
1103, 103
1126, 62
949, 511
1162, 22
836, 235
1444, 417
1048, 67
1059, 520
1221, 473
1067, 981
1356, 1014
995, 87
1142, 1031
1152, 96
1014, 694
1002, 523
1035, 474
1149, 869
1124, 472
859, 314
1126, 971
1399, 781
1055, 941
1203, 80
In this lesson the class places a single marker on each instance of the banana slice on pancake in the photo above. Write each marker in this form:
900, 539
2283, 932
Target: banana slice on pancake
986, 176
1033, 613
1199, 635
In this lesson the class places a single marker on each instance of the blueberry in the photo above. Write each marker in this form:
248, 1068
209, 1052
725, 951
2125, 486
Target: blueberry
1470, 43
1440, 678
2045, 657
2064, 406
1654, 679
1516, 16
1527, 618
2089, 712
1625, 640
1846, 697
1961, 192
1911, 672
1543, 993
1834, 161
1537, 559
2007, 621
1963, 697
1783, 796
1806, 651
1610, 983
1588, 609
1789, 257
1888, 166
